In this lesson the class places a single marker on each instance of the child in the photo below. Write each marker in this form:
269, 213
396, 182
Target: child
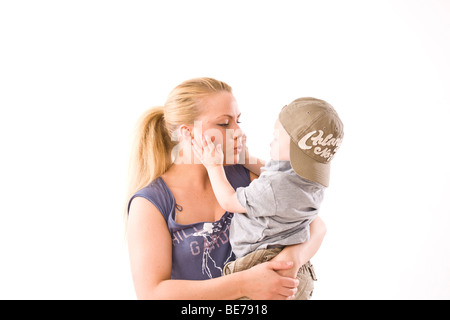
275, 210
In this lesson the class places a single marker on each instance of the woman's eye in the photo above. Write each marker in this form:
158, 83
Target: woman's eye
227, 124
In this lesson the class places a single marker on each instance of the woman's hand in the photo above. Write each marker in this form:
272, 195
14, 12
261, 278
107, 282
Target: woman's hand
210, 155
288, 255
262, 282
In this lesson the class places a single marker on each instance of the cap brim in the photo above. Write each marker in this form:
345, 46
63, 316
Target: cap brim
307, 167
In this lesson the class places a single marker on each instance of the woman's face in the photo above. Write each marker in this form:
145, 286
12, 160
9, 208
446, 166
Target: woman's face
220, 121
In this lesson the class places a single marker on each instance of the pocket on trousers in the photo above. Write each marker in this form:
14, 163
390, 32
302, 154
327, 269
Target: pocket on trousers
305, 287
306, 277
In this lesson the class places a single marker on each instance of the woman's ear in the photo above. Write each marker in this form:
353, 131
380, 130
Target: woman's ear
185, 131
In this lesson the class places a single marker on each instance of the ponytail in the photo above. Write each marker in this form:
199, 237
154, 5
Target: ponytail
151, 152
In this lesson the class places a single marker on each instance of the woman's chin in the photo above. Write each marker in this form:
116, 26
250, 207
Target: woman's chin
232, 160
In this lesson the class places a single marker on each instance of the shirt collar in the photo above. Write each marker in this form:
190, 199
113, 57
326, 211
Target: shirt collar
277, 165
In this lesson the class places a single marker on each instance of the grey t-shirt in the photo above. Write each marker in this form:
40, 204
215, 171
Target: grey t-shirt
280, 206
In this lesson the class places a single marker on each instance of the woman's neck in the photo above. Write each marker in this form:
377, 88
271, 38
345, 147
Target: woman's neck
187, 176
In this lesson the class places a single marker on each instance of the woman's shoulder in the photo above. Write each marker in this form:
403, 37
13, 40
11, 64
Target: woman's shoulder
158, 194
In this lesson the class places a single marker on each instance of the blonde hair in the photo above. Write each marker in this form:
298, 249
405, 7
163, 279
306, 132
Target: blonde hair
152, 147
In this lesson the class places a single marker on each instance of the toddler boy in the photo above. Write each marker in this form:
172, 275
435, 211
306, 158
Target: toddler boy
276, 209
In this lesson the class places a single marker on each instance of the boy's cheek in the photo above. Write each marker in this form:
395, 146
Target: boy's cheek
274, 151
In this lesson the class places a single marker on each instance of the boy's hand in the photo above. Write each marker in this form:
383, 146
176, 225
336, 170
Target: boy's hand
210, 155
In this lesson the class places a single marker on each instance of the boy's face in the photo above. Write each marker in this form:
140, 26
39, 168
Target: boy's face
280, 145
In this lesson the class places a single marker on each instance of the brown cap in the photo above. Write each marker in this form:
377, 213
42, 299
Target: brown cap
316, 133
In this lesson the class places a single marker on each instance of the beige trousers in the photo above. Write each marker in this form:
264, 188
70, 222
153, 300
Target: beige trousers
305, 275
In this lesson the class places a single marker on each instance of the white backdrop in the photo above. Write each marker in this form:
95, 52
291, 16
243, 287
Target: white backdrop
76, 75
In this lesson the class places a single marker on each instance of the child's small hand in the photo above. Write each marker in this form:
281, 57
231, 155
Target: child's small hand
209, 154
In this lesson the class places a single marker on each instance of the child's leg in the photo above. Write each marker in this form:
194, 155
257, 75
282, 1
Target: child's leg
250, 260
306, 277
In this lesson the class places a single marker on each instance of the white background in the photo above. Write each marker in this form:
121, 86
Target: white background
76, 75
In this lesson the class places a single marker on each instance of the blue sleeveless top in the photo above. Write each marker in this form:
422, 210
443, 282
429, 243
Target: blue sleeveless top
199, 250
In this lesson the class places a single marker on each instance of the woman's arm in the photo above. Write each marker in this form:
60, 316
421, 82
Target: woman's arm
303, 252
150, 250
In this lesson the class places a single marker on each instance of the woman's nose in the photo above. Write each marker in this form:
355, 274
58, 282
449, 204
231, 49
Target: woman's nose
235, 126
237, 134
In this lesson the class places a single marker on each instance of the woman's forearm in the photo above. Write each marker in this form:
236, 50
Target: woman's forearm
221, 288
233, 286
308, 249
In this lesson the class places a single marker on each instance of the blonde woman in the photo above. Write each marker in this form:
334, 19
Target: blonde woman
177, 232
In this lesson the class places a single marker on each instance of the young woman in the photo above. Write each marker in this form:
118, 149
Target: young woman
177, 232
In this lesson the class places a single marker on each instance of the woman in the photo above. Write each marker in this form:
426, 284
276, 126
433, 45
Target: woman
177, 231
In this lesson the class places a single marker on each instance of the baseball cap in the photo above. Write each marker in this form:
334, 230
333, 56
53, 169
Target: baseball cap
316, 134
